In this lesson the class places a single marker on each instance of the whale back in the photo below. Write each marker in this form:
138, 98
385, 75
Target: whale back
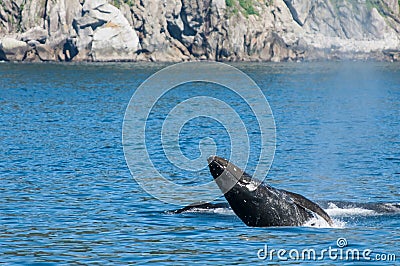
266, 206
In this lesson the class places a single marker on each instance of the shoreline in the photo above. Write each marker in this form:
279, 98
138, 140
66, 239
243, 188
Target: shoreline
216, 30
149, 62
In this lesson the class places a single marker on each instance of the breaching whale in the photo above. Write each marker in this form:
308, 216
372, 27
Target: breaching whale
258, 204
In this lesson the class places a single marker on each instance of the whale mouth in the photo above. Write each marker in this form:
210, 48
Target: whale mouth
226, 174
217, 165
211, 158
218, 160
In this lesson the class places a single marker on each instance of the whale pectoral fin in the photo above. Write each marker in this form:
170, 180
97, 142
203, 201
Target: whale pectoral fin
308, 204
200, 205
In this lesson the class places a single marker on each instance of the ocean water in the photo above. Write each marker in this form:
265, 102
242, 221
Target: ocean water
67, 195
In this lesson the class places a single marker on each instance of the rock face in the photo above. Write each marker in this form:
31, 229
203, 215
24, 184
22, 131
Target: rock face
181, 30
104, 33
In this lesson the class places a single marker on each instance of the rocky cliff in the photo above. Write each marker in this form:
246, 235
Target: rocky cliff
181, 30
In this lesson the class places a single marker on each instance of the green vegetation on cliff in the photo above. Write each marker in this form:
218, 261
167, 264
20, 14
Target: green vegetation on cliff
117, 3
246, 7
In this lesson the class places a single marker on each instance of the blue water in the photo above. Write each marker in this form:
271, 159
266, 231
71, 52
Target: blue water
68, 197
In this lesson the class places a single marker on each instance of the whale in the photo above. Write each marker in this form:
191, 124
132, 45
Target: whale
258, 204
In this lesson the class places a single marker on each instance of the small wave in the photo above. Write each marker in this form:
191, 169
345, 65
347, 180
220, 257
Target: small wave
392, 207
334, 211
319, 222
224, 211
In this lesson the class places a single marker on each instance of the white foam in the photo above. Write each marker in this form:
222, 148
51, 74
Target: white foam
320, 222
211, 210
395, 207
251, 187
335, 211
317, 222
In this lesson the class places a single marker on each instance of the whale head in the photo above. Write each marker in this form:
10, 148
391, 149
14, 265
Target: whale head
230, 178
255, 203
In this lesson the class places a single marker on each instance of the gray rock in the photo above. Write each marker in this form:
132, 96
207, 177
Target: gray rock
93, 4
33, 43
35, 34
87, 21
31, 56
114, 43
83, 44
12, 49
299, 9
377, 25
127, 13
392, 55
45, 52
60, 15
33, 14
104, 34
393, 6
